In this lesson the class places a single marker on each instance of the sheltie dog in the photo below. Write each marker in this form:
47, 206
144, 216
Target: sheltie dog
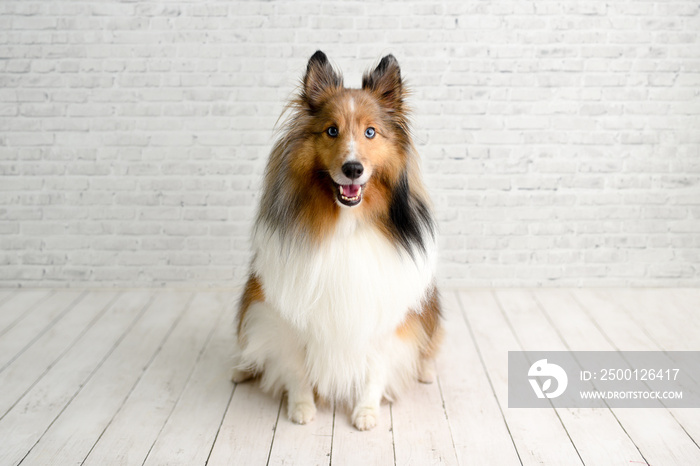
341, 302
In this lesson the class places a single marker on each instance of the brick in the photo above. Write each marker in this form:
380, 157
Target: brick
160, 243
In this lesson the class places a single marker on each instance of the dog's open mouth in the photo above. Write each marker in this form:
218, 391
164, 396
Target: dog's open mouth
350, 194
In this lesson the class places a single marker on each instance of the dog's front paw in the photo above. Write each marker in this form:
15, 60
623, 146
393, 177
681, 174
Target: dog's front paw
301, 412
365, 417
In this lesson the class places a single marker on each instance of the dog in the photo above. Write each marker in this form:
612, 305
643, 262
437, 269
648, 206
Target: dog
341, 302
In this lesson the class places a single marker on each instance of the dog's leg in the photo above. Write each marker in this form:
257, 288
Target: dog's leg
285, 364
240, 373
289, 364
273, 349
426, 370
301, 407
252, 295
366, 411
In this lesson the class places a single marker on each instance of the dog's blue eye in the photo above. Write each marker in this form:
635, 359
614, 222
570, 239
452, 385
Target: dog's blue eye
370, 132
332, 132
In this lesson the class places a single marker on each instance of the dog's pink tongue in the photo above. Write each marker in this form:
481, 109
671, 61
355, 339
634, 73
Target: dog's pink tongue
351, 190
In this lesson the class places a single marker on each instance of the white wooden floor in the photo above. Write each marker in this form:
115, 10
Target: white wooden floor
142, 377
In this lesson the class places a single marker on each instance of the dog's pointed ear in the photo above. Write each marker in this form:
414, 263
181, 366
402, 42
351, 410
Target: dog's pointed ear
385, 82
319, 80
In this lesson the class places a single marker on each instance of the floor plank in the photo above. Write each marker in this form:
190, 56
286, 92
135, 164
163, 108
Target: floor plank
248, 428
6, 294
667, 323
134, 332
303, 444
132, 432
24, 425
476, 420
670, 327
659, 437
421, 431
29, 366
351, 447
539, 435
686, 298
142, 377
34, 324
596, 433
18, 305
189, 433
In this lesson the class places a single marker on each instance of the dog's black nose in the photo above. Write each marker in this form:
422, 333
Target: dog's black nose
353, 170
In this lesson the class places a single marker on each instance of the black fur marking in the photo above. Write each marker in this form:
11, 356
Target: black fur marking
319, 57
410, 217
371, 79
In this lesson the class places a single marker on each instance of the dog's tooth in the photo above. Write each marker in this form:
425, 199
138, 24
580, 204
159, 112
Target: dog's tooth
340, 186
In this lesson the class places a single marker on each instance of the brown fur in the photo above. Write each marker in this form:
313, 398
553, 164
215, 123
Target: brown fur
252, 293
424, 326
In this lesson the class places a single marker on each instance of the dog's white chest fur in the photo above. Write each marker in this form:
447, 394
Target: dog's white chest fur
344, 296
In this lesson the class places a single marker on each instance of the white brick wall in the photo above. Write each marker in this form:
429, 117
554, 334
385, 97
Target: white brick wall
560, 139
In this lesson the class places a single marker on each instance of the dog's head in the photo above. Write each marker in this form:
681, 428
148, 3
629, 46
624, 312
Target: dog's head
347, 149
357, 136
